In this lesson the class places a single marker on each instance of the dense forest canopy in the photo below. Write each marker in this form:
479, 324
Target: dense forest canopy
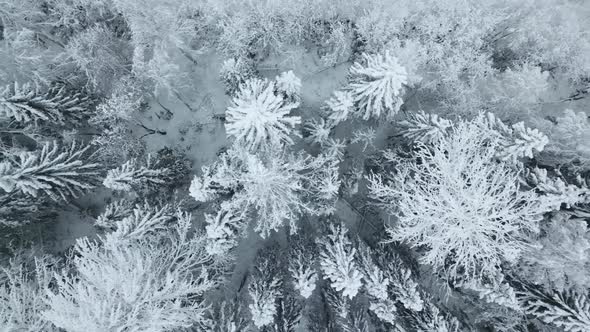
302, 165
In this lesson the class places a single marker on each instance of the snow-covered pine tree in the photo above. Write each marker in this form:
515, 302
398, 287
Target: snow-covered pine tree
154, 283
337, 261
377, 85
455, 200
54, 171
258, 116
29, 105
134, 176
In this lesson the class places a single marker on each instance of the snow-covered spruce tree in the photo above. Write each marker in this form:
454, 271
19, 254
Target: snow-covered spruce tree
258, 116
376, 86
376, 284
318, 131
16, 210
133, 176
144, 220
568, 310
223, 232
339, 107
153, 281
570, 137
270, 188
337, 261
265, 288
389, 285
114, 212
424, 127
234, 72
556, 191
514, 142
289, 86
227, 316
57, 172
322, 184
345, 314
289, 312
464, 208
27, 104
302, 270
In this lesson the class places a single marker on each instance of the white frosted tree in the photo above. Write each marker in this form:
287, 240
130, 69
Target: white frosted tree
21, 293
265, 289
322, 183
113, 212
340, 106
555, 190
319, 131
288, 85
133, 176
28, 104
570, 135
227, 316
388, 281
561, 259
133, 283
54, 171
271, 188
377, 85
235, 72
303, 272
337, 261
258, 116
513, 142
223, 231
568, 310
424, 127
144, 221
457, 202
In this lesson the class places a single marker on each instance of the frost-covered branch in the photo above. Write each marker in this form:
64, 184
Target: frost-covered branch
54, 171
